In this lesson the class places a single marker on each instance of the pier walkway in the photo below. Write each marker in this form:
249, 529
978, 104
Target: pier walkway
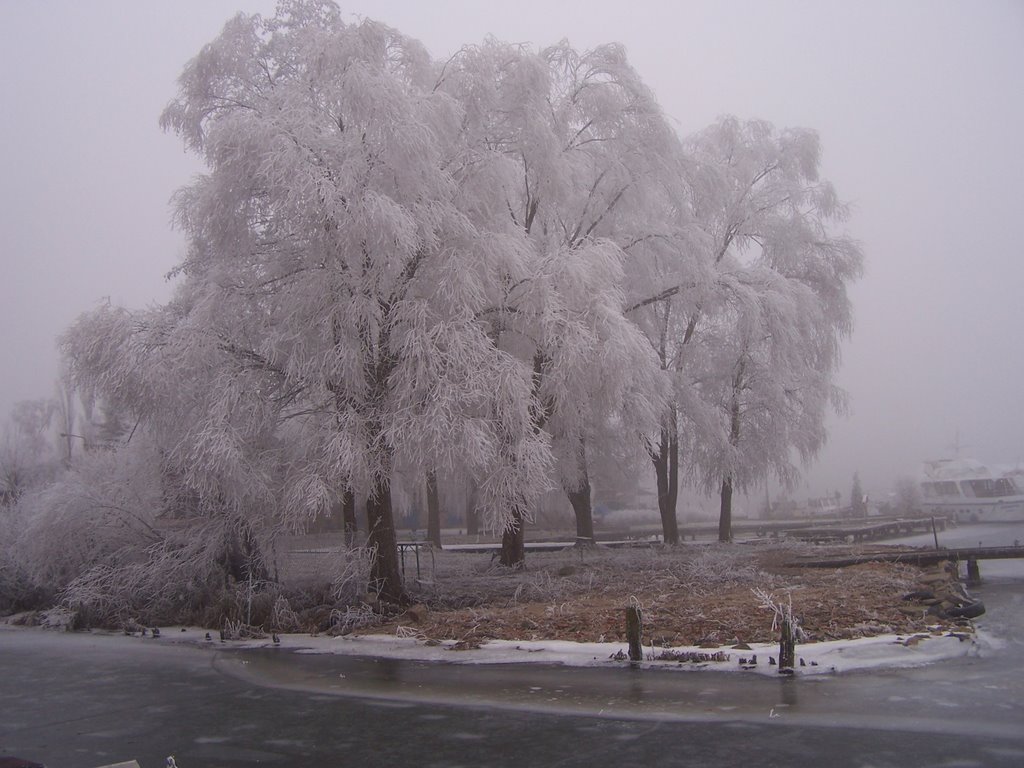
915, 557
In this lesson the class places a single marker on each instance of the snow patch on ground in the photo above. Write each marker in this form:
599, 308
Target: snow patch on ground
838, 656
882, 651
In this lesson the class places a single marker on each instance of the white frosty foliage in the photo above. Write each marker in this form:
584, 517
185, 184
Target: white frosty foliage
772, 321
350, 260
585, 150
503, 267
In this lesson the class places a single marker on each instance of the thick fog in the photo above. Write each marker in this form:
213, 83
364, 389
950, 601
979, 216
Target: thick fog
920, 107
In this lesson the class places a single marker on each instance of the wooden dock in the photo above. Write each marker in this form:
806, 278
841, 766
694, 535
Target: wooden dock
915, 557
886, 529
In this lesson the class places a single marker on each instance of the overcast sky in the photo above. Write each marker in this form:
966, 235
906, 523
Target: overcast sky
920, 107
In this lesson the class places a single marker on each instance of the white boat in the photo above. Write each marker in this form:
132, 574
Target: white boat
967, 491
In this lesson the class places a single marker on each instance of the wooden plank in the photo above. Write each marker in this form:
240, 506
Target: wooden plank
634, 625
920, 557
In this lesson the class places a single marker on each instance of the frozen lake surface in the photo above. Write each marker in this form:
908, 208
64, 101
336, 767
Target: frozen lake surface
83, 700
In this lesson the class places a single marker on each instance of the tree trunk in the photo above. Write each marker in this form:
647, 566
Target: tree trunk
348, 513
579, 498
666, 460
666, 469
725, 515
433, 511
673, 479
385, 578
513, 551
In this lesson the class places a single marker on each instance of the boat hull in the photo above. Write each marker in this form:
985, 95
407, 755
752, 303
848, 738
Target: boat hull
1003, 510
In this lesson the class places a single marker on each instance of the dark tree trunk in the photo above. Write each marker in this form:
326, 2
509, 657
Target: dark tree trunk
725, 513
582, 510
580, 500
673, 480
348, 512
666, 458
472, 516
433, 511
666, 470
385, 577
513, 551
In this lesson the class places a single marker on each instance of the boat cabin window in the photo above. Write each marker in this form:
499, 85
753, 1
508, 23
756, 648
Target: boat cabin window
988, 489
1004, 486
977, 489
940, 488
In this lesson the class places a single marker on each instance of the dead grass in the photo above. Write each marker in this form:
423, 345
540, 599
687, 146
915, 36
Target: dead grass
689, 595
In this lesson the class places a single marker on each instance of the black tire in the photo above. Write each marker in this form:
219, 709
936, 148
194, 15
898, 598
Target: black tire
969, 611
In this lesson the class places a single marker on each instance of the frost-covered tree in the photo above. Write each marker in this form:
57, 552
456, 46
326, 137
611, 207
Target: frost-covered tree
333, 319
777, 310
106, 504
583, 145
761, 399
27, 458
95, 539
80, 424
402, 271
907, 495
858, 501
669, 273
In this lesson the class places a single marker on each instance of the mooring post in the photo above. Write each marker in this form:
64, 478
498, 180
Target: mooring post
935, 533
973, 571
787, 647
634, 622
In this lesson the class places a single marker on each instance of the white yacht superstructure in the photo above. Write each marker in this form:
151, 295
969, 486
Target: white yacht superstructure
969, 492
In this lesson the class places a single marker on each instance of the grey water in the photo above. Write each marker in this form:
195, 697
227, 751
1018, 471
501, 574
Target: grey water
86, 700
80, 701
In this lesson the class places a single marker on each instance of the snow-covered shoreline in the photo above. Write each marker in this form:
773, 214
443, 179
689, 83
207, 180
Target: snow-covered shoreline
880, 652
821, 658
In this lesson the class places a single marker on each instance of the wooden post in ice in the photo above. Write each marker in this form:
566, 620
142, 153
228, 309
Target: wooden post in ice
787, 647
973, 571
633, 625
